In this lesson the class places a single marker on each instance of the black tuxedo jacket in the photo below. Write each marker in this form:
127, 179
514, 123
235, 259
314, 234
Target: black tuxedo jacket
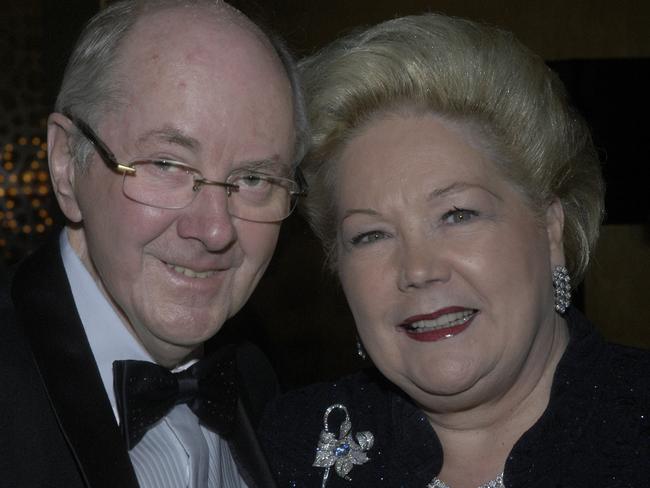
57, 426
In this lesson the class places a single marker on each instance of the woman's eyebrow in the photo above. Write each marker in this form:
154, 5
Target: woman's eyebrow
458, 187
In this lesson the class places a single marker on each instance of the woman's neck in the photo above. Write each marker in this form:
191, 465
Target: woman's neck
476, 441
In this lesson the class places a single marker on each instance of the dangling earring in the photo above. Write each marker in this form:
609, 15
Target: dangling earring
562, 285
361, 351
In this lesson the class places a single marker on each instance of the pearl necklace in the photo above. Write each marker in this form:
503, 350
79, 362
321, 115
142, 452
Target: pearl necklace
495, 483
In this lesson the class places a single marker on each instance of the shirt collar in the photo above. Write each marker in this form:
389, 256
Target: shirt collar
109, 338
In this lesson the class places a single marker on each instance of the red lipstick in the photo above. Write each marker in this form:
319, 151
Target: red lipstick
461, 319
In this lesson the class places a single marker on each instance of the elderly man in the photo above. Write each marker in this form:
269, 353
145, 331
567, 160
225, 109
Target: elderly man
172, 153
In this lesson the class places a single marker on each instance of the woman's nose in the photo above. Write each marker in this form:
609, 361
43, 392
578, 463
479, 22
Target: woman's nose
421, 263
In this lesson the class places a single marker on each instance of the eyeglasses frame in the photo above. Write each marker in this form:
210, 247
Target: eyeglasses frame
111, 161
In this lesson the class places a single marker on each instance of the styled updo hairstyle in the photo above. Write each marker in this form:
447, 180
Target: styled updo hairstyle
471, 75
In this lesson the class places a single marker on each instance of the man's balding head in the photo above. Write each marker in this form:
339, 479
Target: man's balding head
90, 87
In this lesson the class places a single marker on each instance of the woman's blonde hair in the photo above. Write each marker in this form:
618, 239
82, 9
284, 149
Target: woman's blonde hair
466, 73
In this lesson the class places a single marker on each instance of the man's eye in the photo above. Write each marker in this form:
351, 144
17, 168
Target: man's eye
368, 238
250, 180
459, 216
253, 180
165, 166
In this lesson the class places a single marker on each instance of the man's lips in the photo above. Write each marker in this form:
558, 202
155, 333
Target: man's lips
443, 323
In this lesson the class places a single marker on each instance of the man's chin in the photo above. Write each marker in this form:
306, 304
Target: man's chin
173, 341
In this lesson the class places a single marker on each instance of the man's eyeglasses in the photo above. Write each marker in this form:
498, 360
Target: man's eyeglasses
252, 195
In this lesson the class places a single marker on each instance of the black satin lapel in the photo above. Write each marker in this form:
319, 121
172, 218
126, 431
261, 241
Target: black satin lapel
248, 454
45, 307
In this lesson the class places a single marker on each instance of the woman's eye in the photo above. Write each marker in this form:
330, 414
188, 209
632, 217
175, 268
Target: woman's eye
459, 216
367, 238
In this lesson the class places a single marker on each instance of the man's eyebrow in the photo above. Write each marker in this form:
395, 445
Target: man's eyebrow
171, 135
457, 187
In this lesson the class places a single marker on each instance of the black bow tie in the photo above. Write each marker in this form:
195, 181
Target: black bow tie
145, 392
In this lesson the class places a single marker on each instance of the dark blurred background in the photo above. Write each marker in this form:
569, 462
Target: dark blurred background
601, 49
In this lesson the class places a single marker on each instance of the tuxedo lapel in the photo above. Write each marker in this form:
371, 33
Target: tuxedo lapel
247, 453
257, 386
45, 308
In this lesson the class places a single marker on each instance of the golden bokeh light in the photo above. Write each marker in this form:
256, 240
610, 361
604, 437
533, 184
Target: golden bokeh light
25, 194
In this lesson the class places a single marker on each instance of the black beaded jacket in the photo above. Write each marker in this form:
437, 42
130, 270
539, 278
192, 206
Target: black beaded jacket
595, 432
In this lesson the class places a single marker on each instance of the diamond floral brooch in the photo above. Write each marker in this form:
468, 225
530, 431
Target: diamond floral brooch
344, 451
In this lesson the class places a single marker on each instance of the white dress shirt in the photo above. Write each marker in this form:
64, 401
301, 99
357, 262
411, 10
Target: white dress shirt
177, 452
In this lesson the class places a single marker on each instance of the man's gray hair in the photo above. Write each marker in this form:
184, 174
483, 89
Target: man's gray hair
89, 88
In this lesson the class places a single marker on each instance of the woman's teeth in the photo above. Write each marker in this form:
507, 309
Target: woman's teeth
447, 320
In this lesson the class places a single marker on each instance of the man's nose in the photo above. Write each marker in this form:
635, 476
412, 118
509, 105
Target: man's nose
421, 263
208, 220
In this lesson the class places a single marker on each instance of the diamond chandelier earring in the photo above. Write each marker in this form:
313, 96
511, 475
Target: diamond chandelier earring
562, 286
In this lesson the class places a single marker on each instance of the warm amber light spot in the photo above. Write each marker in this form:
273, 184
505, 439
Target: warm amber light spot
35, 164
27, 190
27, 229
49, 221
13, 178
8, 165
12, 192
36, 141
12, 224
22, 141
40, 228
9, 147
42, 190
10, 204
28, 176
36, 203
2, 192
44, 146
40, 154
42, 176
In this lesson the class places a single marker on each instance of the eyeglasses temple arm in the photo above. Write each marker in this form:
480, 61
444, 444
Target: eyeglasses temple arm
104, 152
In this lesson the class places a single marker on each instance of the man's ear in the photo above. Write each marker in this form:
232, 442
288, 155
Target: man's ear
555, 232
63, 169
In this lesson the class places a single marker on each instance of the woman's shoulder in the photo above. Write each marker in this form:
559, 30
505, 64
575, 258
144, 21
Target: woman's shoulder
626, 387
618, 370
626, 377
603, 400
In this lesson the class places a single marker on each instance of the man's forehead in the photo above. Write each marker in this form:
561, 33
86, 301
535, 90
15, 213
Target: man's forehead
170, 25
194, 45
200, 84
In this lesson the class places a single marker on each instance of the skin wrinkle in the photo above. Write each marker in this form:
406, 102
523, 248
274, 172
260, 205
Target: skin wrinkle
213, 122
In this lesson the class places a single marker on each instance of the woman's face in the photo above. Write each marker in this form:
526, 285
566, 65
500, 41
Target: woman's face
446, 268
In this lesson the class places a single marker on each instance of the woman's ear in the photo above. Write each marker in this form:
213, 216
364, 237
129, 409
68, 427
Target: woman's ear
63, 168
555, 232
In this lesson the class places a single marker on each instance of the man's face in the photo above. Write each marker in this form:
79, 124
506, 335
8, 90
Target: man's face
216, 98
